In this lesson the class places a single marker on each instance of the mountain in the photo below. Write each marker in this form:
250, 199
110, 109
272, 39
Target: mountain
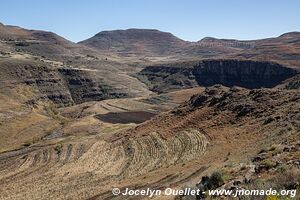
150, 42
154, 43
7, 32
40, 43
284, 49
135, 42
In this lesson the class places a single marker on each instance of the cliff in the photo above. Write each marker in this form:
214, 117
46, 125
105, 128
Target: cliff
163, 78
243, 73
246, 73
63, 86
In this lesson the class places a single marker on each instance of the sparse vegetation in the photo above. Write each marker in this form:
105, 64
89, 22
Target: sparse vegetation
58, 148
53, 93
215, 180
268, 164
52, 111
269, 120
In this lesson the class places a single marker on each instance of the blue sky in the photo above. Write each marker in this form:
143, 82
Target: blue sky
188, 19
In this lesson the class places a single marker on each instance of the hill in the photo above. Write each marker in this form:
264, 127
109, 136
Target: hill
143, 42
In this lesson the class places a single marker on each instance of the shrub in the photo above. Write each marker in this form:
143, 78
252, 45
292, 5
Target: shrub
268, 164
58, 148
268, 120
215, 180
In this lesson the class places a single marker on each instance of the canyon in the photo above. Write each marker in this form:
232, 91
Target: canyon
141, 108
243, 73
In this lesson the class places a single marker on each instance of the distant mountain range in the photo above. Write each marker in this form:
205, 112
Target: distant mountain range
155, 43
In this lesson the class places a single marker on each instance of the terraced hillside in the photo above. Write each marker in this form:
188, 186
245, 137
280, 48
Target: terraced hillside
55, 166
77, 120
173, 149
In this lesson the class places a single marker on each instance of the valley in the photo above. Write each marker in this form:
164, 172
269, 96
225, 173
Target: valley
141, 108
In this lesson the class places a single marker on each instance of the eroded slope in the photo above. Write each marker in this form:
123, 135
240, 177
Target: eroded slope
173, 149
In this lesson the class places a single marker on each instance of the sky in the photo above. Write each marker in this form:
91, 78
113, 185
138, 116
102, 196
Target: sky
190, 20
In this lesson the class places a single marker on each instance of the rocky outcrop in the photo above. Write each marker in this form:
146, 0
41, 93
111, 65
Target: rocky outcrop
64, 86
263, 103
165, 78
87, 86
243, 73
45, 82
291, 83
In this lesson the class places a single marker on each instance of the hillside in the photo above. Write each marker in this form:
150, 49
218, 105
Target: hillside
176, 148
141, 108
35, 42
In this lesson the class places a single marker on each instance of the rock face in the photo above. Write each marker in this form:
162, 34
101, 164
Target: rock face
244, 73
164, 78
248, 74
86, 86
45, 82
63, 86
